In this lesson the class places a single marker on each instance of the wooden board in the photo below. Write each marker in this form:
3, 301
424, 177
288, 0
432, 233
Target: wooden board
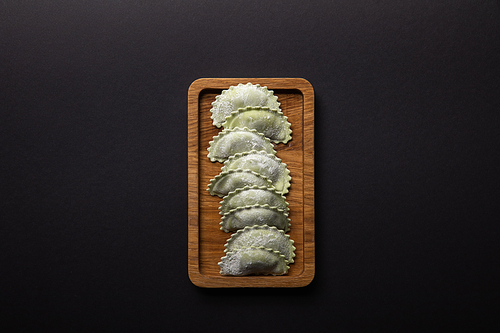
205, 239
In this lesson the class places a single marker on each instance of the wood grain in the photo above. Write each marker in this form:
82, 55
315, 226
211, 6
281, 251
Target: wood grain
205, 239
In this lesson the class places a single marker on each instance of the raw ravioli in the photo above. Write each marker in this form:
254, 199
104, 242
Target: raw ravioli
241, 96
228, 181
253, 260
270, 122
237, 140
265, 164
241, 217
253, 195
266, 236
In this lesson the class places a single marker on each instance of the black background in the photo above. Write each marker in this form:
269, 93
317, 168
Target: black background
93, 164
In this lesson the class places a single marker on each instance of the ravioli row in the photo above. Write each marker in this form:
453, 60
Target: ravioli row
252, 182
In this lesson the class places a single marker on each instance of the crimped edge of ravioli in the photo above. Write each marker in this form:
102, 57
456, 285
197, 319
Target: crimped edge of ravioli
217, 178
287, 137
224, 95
277, 253
287, 178
291, 248
225, 132
266, 206
265, 188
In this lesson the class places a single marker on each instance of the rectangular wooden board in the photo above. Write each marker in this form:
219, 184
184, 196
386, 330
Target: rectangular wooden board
205, 239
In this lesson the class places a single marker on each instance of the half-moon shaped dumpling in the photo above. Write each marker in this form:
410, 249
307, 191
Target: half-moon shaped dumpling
253, 195
265, 164
237, 140
241, 96
266, 236
253, 260
255, 215
270, 122
228, 181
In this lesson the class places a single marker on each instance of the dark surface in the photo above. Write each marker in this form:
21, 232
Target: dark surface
93, 171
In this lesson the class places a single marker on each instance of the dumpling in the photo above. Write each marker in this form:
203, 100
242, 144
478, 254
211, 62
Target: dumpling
228, 181
266, 236
253, 260
237, 140
270, 122
265, 164
253, 195
255, 215
241, 96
